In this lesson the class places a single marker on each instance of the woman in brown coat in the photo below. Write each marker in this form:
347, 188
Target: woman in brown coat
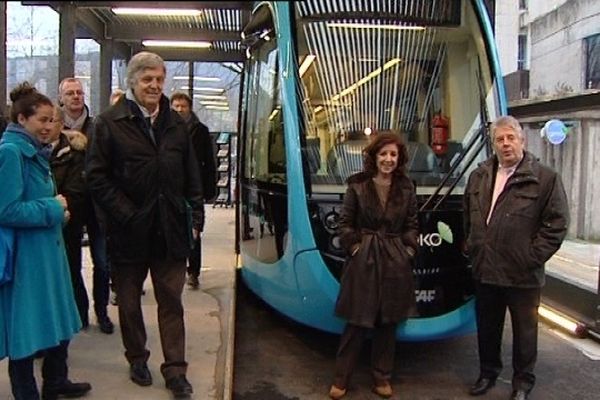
378, 228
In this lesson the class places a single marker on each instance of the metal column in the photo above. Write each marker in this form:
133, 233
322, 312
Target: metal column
66, 41
3, 73
191, 83
106, 57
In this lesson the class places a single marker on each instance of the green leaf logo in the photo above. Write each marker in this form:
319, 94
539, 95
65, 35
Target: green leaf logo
445, 232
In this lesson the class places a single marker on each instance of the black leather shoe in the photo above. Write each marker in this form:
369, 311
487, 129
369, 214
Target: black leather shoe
482, 386
106, 325
67, 389
140, 374
180, 387
518, 395
193, 282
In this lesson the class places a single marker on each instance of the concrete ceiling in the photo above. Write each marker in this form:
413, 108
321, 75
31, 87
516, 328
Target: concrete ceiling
219, 22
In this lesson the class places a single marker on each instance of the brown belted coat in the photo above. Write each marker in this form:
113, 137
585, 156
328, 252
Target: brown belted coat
377, 282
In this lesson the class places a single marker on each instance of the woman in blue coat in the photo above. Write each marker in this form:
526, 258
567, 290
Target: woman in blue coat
37, 308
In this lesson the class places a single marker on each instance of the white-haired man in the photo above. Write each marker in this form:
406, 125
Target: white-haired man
516, 217
144, 176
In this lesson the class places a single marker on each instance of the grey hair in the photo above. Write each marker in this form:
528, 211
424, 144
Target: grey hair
65, 81
140, 62
506, 121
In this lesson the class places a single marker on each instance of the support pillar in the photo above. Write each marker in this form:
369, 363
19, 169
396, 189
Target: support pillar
66, 41
191, 83
106, 56
3, 73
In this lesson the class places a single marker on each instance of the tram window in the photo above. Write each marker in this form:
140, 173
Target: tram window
265, 160
368, 78
264, 183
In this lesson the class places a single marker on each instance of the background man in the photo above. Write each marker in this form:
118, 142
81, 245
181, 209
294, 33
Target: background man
77, 117
203, 147
516, 217
143, 174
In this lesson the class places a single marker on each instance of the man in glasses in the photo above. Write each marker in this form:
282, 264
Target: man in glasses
77, 117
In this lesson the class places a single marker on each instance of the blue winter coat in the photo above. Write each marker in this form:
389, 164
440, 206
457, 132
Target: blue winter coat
37, 309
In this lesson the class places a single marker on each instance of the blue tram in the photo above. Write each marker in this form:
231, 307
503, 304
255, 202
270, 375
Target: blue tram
321, 77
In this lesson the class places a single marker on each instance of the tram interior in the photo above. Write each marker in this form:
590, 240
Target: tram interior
361, 79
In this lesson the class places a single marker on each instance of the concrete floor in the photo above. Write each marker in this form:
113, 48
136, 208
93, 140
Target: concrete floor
278, 359
98, 358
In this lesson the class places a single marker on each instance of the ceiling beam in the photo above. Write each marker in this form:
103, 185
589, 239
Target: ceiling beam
194, 5
91, 23
198, 55
141, 31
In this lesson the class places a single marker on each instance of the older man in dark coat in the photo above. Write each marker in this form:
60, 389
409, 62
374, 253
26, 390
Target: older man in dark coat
143, 174
516, 217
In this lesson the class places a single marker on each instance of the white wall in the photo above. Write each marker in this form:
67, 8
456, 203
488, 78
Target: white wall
577, 160
557, 51
507, 33
538, 8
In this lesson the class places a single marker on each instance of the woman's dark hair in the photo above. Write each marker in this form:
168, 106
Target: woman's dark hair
379, 141
25, 100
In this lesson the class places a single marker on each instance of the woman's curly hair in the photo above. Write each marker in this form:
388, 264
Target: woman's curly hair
25, 100
379, 141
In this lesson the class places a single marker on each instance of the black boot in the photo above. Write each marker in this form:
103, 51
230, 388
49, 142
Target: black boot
180, 387
66, 389
105, 324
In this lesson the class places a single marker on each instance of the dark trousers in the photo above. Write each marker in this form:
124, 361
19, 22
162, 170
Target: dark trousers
101, 274
168, 278
72, 235
54, 372
522, 303
195, 260
382, 353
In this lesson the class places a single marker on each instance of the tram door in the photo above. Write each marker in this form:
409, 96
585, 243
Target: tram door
263, 173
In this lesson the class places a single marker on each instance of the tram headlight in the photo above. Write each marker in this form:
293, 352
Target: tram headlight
336, 243
331, 220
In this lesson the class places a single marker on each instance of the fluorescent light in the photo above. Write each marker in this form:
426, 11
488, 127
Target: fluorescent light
177, 43
160, 12
365, 79
214, 103
318, 109
209, 89
217, 108
273, 114
306, 63
198, 78
563, 321
210, 96
82, 77
203, 89
356, 25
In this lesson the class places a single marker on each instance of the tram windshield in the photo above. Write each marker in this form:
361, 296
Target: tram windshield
418, 68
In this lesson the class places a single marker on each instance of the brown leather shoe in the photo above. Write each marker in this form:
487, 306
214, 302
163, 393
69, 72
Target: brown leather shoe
383, 390
336, 393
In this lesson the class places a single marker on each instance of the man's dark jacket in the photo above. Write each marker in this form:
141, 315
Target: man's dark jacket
67, 162
68, 168
529, 223
87, 127
148, 192
203, 146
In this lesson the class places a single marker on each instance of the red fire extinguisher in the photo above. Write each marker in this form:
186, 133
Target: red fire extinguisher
439, 134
